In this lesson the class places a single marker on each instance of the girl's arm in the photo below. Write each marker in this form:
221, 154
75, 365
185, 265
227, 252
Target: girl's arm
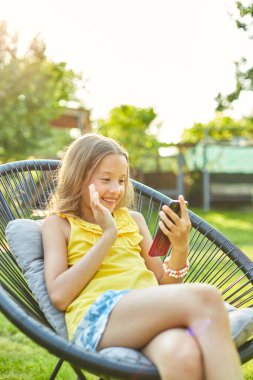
64, 284
178, 233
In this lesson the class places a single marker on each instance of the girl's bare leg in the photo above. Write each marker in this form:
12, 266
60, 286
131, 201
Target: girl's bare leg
176, 354
141, 315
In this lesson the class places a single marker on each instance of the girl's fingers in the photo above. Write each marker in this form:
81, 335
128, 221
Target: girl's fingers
92, 191
92, 187
96, 206
169, 216
94, 197
167, 220
171, 224
164, 229
183, 208
101, 214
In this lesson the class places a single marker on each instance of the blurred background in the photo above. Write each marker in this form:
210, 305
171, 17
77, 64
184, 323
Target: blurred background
170, 80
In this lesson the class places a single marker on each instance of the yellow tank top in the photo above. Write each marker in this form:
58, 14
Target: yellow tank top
122, 268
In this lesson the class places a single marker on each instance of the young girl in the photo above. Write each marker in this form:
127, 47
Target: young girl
98, 271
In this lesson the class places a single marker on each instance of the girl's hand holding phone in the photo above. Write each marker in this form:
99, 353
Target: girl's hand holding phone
174, 228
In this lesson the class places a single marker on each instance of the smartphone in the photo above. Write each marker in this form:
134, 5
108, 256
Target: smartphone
175, 206
161, 243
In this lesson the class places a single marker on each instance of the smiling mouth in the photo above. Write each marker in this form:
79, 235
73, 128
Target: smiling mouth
110, 201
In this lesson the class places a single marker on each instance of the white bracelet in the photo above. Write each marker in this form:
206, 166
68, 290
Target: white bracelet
176, 273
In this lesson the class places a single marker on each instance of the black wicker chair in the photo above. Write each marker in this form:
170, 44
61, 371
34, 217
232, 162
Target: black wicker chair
25, 187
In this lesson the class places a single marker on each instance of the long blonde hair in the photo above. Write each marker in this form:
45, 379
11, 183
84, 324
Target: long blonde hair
79, 161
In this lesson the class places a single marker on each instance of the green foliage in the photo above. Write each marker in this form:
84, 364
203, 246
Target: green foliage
52, 146
32, 89
131, 126
243, 69
244, 82
221, 128
245, 14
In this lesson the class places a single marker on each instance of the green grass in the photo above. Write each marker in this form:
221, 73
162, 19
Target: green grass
22, 359
236, 225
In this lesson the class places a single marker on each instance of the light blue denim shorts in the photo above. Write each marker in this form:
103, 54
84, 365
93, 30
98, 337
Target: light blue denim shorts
92, 326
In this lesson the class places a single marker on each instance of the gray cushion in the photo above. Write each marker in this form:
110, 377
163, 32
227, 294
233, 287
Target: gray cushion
229, 307
126, 355
241, 324
25, 242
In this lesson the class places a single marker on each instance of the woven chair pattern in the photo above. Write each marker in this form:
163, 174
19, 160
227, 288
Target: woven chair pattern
24, 190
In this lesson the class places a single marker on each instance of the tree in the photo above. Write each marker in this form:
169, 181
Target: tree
244, 18
32, 91
221, 128
243, 69
131, 126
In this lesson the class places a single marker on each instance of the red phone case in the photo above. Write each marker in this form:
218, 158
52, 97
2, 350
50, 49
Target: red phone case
160, 245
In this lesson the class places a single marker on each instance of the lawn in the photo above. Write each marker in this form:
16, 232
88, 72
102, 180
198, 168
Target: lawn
236, 225
22, 359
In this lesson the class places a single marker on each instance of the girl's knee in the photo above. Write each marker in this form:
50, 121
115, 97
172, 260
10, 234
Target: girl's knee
209, 298
181, 358
188, 360
209, 307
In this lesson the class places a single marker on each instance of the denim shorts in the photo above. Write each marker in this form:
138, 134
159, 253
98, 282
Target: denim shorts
92, 326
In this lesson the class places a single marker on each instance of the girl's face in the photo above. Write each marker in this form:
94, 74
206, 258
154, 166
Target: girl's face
110, 179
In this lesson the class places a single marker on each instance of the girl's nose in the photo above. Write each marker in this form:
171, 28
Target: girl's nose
115, 188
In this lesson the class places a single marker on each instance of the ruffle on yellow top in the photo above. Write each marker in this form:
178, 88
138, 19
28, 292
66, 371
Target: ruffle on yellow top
128, 234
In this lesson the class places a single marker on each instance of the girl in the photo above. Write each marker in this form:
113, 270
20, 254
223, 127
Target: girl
98, 271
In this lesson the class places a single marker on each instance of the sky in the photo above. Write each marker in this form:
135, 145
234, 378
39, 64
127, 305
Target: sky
172, 55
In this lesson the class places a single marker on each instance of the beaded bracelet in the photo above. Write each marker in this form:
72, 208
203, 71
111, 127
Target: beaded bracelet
179, 273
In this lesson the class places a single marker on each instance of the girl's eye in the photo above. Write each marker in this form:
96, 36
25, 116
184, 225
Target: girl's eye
105, 179
122, 181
